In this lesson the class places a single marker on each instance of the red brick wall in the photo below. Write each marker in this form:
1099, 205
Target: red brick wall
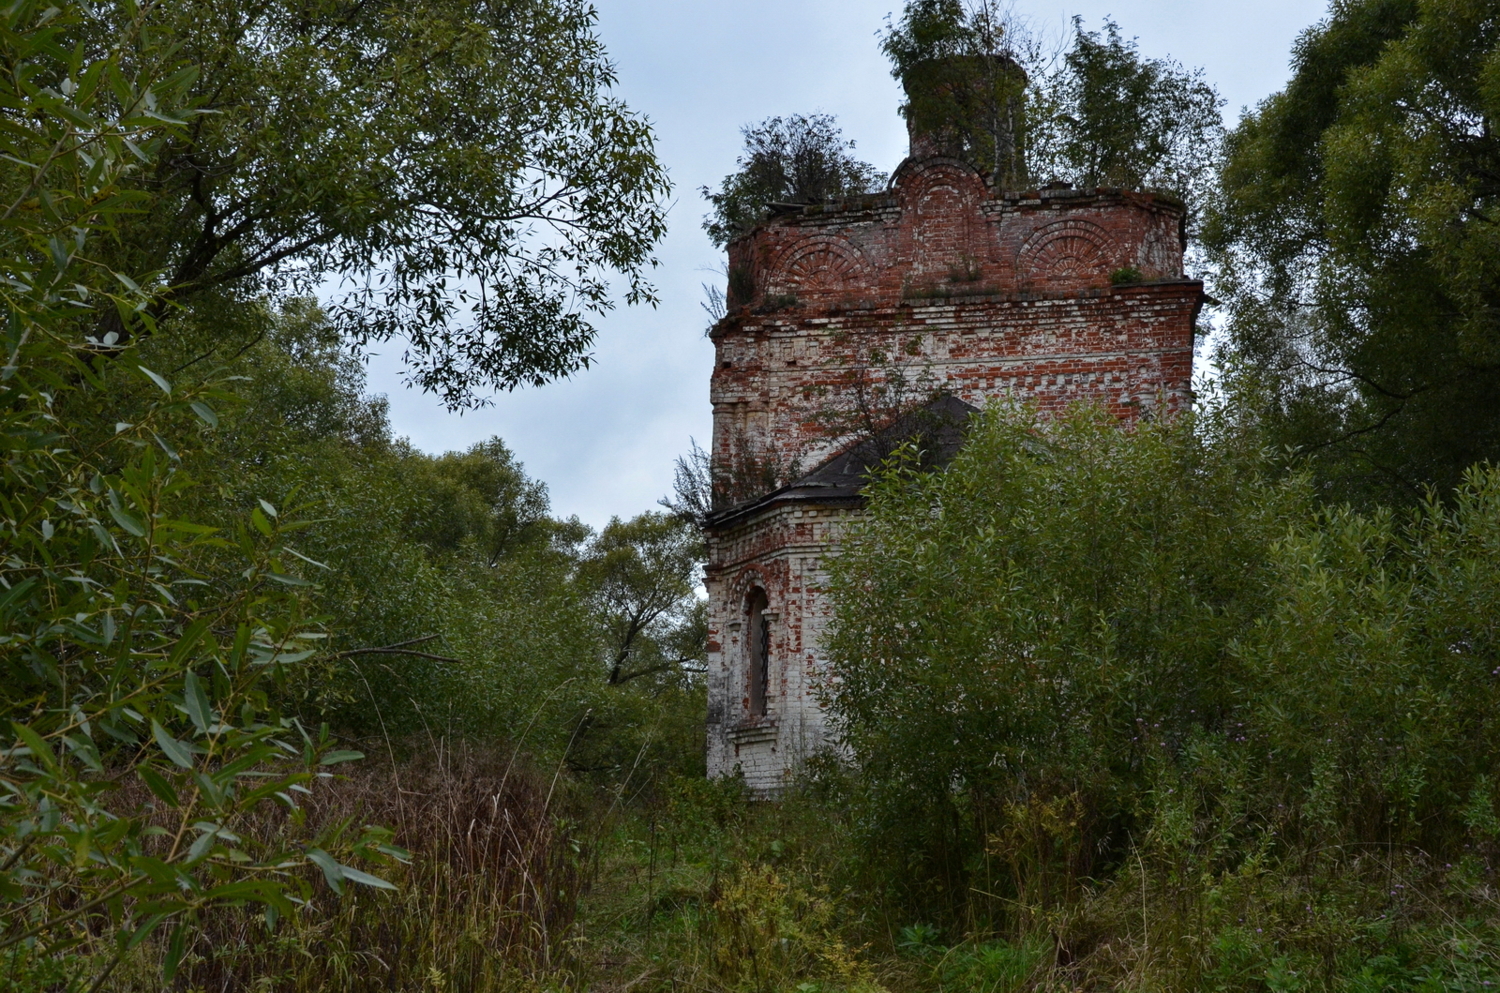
939, 229
996, 296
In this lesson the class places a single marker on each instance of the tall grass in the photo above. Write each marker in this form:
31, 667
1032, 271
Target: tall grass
486, 902
695, 888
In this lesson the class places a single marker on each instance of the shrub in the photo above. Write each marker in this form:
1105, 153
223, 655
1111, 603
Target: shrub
1042, 623
1082, 640
138, 649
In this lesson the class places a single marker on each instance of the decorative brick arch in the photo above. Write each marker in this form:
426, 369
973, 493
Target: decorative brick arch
750, 579
1066, 253
915, 176
940, 201
817, 265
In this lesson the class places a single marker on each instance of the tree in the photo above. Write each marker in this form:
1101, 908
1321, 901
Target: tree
1000, 626
142, 756
799, 159
481, 502
693, 496
1081, 645
642, 573
965, 70
645, 716
458, 172
1102, 115
1358, 249
448, 598
1111, 117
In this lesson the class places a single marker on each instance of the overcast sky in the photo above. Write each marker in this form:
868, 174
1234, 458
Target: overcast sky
604, 442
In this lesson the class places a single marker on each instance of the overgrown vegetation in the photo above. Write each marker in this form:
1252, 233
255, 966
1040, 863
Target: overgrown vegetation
212, 552
1205, 704
485, 897
1096, 113
795, 160
966, 73
991, 92
1354, 248
1124, 709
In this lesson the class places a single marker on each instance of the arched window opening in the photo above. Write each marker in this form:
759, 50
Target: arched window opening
759, 644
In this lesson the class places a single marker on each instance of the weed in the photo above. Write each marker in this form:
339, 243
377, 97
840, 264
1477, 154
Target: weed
486, 903
989, 967
920, 941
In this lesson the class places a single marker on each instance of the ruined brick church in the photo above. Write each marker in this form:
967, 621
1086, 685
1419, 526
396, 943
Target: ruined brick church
1046, 296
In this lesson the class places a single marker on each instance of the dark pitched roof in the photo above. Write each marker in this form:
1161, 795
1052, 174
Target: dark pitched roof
937, 428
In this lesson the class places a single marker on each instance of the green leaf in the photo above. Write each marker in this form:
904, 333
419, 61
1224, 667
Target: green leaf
186, 527
332, 871
196, 702
345, 755
158, 785
259, 520
205, 413
140, 934
128, 521
187, 643
259, 890
166, 387
204, 842
84, 750
175, 750
174, 953
166, 447
40, 750
365, 879
312, 562
242, 636
158, 871
395, 852
15, 593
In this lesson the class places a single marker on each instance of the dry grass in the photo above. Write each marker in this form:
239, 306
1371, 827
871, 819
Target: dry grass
486, 903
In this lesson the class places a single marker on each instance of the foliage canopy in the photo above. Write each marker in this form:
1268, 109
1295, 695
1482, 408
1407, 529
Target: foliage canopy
1145, 629
798, 159
1357, 248
139, 649
459, 171
199, 562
